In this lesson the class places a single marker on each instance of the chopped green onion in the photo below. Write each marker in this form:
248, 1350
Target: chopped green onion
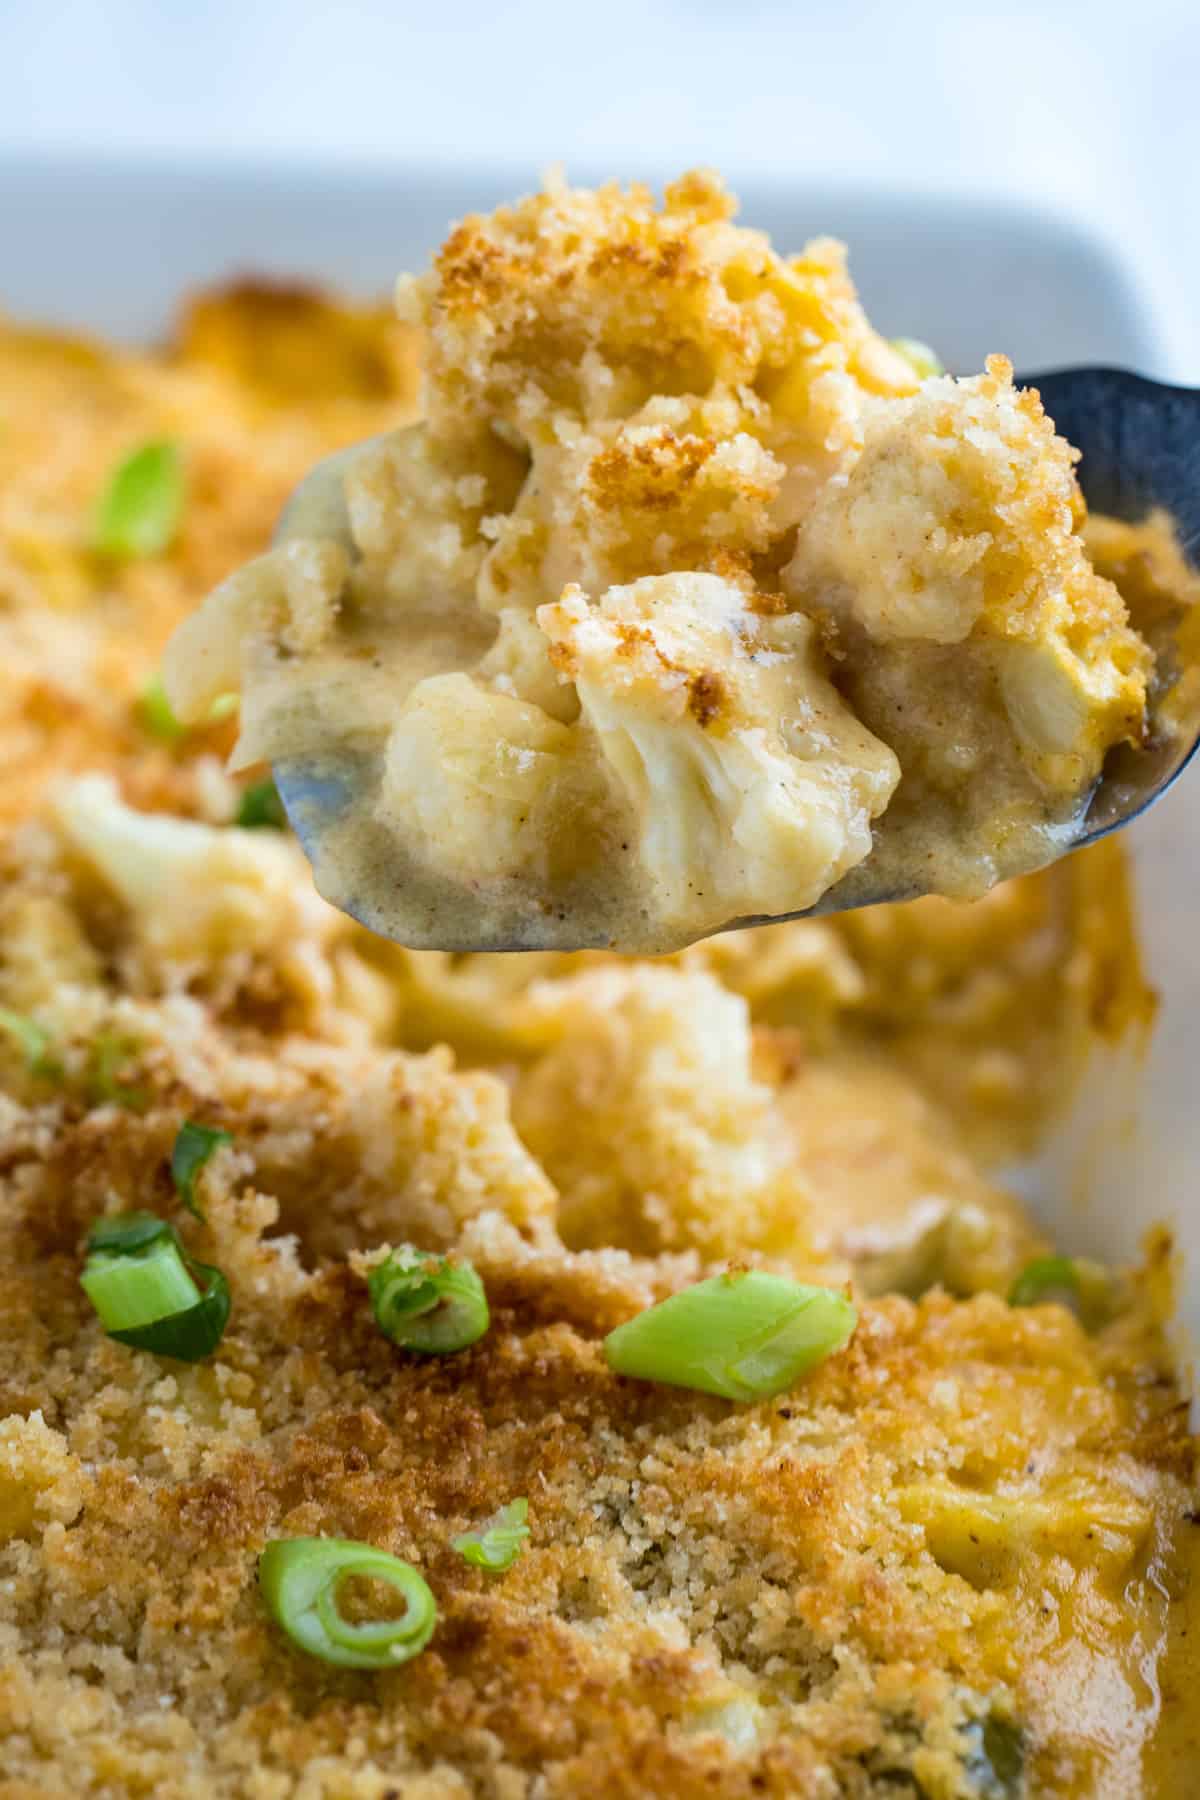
923, 361
427, 1303
139, 511
300, 1578
745, 1335
193, 1146
33, 1042
158, 715
155, 712
110, 1054
1082, 1286
1046, 1278
498, 1544
259, 807
132, 1288
145, 1291
995, 1759
123, 1233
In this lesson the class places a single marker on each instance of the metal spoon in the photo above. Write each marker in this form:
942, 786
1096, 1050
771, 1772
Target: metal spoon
1140, 443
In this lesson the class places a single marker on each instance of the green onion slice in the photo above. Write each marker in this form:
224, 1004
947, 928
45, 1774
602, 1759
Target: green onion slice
156, 713
496, 1545
144, 1288
995, 1758
124, 1233
427, 1303
923, 361
260, 807
139, 511
1046, 1278
1082, 1286
193, 1146
744, 1335
32, 1041
300, 1578
110, 1053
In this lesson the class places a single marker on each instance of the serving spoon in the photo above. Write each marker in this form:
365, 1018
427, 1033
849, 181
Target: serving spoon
1140, 444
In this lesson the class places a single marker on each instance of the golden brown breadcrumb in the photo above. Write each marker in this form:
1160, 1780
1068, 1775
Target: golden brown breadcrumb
943, 1565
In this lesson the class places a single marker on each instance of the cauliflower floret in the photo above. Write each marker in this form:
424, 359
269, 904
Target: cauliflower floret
958, 523
752, 784
415, 513
519, 663
683, 481
290, 596
644, 1109
196, 892
488, 786
440, 1145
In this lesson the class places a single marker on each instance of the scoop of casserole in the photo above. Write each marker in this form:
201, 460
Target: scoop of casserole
686, 597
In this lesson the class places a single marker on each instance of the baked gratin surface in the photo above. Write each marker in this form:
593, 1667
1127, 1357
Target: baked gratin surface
950, 1563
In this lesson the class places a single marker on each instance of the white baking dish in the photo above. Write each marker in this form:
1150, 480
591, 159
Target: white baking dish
111, 246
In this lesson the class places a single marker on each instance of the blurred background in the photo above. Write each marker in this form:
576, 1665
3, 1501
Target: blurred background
1086, 112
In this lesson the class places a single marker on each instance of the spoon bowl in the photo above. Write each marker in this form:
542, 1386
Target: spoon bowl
1140, 445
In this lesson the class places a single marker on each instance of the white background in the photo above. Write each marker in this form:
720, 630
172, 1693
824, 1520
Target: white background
1092, 110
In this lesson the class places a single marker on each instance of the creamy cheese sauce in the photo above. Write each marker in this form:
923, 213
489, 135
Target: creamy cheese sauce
325, 719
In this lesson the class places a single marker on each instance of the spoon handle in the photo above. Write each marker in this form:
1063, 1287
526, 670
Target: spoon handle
1140, 442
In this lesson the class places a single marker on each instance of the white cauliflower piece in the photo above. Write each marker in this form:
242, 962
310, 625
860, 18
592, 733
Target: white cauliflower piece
196, 892
487, 786
644, 1109
753, 785
415, 514
438, 1146
290, 598
958, 522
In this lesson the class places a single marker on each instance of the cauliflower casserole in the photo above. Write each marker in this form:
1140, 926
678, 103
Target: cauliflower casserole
955, 1560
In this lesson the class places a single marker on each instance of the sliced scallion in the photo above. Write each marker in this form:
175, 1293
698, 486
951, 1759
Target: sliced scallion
745, 1335
430, 1304
1082, 1286
496, 1545
33, 1042
124, 1233
156, 713
300, 1579
1046, 1278
193, 1146
111, 1052
139, 511
145, 1289
995, 1759
260, 808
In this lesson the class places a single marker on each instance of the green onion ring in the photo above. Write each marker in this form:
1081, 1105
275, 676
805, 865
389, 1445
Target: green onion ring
300, 1578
